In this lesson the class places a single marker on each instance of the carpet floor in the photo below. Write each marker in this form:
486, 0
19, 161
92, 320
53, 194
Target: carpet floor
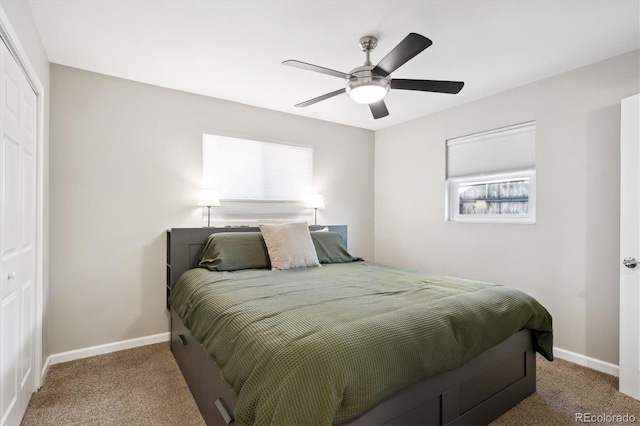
144, 386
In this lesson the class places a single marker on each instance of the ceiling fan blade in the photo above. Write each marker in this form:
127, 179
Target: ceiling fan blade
320, 98
399, 55
379, 109
316, 68
439, 86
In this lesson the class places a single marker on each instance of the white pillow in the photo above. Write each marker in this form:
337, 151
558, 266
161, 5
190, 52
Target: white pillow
289, 245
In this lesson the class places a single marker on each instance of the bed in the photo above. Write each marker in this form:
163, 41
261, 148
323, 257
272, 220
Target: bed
477, 383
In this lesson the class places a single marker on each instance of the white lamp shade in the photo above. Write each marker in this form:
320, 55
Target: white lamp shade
367, 94
209, 198
316, 202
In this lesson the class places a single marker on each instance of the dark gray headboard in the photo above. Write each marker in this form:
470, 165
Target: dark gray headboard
184, 246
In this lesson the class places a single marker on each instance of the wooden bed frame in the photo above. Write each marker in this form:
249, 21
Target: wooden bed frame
475, 393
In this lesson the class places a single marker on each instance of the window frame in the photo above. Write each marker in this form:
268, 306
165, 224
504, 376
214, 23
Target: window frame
452, 198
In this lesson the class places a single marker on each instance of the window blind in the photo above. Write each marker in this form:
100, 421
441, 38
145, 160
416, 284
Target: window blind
257, 180
507, 149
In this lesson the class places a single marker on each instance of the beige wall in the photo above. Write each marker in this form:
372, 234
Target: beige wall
126, 164
568, 260
21, 19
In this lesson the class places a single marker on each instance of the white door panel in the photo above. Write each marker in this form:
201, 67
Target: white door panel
27, 331
9, 341
11, 193
28, 122
17, 239
12, 93
630, 246
28, 202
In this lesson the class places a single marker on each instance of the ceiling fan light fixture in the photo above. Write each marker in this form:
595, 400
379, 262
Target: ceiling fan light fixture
365, 87
367, 94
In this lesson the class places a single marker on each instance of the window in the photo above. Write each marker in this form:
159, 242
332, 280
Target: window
257, 180
491, 176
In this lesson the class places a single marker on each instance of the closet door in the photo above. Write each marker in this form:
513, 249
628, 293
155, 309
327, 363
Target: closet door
17, 238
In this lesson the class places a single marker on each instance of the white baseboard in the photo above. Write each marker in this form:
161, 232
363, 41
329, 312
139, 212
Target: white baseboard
585, 361
106, 348
45, 369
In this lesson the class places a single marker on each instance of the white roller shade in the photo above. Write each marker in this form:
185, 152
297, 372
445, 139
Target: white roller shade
257, 180
243, 169
507, 149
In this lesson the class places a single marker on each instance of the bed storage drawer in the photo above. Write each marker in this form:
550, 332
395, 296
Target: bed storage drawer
213, 388
212, 395
185, 349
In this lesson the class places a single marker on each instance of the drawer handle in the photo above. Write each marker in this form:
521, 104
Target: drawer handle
182, 339
223, 411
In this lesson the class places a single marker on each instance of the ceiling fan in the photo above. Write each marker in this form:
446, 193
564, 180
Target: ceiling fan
369, 84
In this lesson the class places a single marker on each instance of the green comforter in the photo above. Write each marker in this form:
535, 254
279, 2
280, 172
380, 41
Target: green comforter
322, 345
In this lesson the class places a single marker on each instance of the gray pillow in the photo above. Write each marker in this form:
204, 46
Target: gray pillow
330, 247
232, 251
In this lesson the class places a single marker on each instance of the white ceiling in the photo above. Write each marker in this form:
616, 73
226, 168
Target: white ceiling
233, 49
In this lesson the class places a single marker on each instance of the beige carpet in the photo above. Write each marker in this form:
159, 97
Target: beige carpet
141, 386
144, 386
564, 389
